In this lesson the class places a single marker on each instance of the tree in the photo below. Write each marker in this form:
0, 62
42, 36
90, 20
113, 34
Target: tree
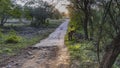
99, 20
113, 49
5, 9
56, 14
40, 11
8, 9
112, 52
83, 7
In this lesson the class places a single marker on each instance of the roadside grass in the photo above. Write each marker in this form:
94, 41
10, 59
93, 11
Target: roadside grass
82, 54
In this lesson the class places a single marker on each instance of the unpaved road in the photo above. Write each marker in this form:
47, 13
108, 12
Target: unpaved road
49, 53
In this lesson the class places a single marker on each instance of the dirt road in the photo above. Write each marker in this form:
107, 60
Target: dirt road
49, 53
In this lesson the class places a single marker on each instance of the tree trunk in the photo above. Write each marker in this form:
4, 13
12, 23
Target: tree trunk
2, 21
85, 24
86, 20
91, 28
32, 21
86, 27
112, 52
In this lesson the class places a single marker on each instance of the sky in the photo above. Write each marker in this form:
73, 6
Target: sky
59, 4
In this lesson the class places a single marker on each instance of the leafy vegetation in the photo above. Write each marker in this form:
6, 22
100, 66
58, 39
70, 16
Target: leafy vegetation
12, 37
83, 54
96, 21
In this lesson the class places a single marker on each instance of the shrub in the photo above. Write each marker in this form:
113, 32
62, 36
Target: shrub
13, 37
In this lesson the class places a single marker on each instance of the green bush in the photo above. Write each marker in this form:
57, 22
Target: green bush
13, 37
82, 53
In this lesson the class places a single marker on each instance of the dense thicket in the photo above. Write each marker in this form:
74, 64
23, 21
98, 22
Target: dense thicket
98, 20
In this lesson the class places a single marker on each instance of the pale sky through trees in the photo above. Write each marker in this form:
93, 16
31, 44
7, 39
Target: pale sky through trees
59, 4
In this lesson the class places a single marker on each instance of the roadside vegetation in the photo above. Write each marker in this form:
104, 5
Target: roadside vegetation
93, 34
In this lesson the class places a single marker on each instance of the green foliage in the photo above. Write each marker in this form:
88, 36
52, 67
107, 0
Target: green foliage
1, 51
5, 6
100, 24
41, 12
8, 50
8, 9
75, 18
12, 37
83, 53
27, 14
117, 62
16, 12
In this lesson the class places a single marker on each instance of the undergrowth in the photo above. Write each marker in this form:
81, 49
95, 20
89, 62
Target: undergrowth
82, 54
